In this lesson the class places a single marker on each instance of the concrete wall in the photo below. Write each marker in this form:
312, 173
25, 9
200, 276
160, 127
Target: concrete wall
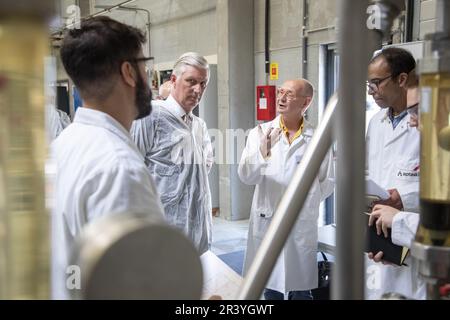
177, 26
427, 18
285, 39
286, 36
320, 31
236, 99
209, 112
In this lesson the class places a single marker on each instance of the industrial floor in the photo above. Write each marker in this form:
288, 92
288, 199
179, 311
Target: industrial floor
229, 241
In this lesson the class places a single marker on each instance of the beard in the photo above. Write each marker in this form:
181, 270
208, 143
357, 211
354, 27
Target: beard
143, 99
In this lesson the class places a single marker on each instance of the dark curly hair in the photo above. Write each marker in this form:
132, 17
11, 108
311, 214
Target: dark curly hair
92, 54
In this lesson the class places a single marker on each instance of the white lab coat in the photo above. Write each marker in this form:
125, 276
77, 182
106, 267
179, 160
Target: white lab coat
56, 121
404, 228
296, 267
179, 159
98, 171
393, 158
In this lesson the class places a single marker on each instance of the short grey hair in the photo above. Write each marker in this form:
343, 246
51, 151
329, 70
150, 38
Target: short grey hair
192, 59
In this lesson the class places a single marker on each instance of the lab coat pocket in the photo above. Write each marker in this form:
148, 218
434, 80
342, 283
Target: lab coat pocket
260, 226
408, 171
266, 206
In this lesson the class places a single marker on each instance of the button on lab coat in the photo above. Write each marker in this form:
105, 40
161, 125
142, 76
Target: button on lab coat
296, 268
393, 163
98, 171
179, 158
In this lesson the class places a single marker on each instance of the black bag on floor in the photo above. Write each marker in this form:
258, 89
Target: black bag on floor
322, 292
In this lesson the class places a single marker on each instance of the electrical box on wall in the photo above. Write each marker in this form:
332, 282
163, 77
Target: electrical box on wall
265, 103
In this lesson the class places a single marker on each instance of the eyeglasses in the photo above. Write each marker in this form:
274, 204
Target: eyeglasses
374, 85
148, 68
288, 93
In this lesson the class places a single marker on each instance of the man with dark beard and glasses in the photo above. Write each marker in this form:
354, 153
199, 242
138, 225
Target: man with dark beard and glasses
98, 168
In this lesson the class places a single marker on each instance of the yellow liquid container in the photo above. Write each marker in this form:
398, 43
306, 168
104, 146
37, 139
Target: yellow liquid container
435, 160
24, 222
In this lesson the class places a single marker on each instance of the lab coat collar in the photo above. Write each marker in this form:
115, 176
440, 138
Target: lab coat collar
308, 129
388, 113
100, 119
307, 133
401, 128
175, 108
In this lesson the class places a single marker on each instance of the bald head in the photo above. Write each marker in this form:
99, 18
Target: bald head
294, 97
308, 89
302, 87
164, 90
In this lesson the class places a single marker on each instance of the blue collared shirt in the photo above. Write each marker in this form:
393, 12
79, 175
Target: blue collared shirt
396, 119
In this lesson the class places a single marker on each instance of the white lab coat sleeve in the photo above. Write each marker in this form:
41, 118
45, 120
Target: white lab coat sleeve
326, 176
207, 148
409, 193
404, 228
252, 165
142, 133
120, 189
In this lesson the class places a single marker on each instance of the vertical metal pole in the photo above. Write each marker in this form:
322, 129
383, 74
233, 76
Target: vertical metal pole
354, 25
267, 40
348, 275
443, 16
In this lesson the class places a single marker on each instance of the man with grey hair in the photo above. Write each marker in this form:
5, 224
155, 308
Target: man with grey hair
270, 158
178, 152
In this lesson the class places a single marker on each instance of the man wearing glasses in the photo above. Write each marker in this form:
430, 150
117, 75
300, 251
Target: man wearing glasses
99, 170
269, 160
393, 163
178, 152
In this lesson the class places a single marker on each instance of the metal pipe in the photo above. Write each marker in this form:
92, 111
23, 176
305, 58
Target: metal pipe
272, 49
387, 11
289, 208
24, 220
320, 29
266, 40
305, 40
443, 18
431, 248
409, 20
93, 15
148, 24
348, 276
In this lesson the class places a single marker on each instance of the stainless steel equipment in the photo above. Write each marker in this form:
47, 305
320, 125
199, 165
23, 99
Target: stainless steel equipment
134, 256
432, 244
